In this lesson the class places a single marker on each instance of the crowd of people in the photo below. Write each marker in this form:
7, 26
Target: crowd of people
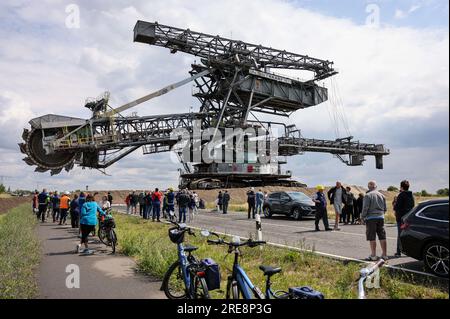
82, 209
157, 204
366, 208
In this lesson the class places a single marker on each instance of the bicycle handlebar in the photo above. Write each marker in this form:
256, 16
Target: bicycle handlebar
249, 242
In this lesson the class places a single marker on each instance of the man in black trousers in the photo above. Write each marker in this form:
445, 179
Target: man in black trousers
251, 201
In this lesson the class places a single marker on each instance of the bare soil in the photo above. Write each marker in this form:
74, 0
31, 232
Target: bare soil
8, 203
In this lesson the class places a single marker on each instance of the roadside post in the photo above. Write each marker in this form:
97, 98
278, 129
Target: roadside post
258, 227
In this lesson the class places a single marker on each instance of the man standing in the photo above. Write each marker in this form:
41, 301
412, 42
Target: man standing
372, 215
43, 201
134, 202
259, 201
183, 204
251, 201
141, 200
156, 203
336, 196
110, 198
170, 202
321, 208
225, 201
64, 204
348, 207
55, 206
403, 204
219, 201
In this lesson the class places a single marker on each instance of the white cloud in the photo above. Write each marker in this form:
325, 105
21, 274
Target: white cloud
388, 76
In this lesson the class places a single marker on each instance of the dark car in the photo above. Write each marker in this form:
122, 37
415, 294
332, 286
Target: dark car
424, 235
295, 204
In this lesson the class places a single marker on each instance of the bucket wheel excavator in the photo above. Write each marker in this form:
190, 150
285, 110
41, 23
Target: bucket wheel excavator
234, 83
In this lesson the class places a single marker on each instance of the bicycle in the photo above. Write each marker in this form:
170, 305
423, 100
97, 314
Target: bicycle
106, 232
185, 278
239, 284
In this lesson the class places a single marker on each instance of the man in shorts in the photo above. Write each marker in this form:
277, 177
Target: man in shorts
372, 215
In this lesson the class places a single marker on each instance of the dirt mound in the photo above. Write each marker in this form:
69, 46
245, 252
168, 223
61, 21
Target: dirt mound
8, 203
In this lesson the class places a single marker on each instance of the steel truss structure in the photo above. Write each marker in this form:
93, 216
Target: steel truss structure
233, 82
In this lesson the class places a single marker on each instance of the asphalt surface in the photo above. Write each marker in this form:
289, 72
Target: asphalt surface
349, 242
101, 275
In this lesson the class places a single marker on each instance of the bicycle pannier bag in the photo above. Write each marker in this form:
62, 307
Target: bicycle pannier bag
304, 292
212, 273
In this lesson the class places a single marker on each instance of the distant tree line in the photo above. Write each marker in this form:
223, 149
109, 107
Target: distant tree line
423, 192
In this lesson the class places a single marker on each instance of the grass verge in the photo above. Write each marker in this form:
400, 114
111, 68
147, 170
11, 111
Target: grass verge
19, 254
149, 244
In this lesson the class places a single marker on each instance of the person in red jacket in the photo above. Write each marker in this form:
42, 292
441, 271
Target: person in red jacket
156, 203
128, 202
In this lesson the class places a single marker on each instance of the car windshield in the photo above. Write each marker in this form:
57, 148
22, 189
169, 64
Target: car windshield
299, 196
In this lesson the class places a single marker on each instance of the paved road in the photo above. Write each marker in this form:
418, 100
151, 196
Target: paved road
102, 275
349, 242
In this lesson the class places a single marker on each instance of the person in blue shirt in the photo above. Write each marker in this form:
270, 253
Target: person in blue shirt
321, 208
259, 201
88, 221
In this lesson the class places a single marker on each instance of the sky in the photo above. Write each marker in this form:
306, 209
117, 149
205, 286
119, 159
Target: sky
392, 86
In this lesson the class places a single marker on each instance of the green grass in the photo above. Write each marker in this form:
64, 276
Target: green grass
19, 254
149, 244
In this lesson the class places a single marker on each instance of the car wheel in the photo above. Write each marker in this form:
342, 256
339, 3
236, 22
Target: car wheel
267, 212
435, 257
297, 214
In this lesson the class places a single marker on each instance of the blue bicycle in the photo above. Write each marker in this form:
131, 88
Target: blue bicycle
185, 278
239, 284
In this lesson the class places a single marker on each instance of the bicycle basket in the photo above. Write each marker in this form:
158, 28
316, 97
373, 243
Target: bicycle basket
176, 236
304, 292
212, 273
110, 223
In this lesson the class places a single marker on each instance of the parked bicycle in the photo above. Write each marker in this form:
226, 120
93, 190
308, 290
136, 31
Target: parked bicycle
239, 284
106, 232
188, 277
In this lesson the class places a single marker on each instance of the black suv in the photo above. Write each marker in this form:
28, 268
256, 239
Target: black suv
424, 235
295, 204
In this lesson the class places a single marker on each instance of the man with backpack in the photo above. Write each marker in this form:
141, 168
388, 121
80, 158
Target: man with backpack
43, 201
55, 206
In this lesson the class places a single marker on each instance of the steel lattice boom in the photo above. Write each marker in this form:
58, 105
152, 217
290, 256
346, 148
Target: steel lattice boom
232, 84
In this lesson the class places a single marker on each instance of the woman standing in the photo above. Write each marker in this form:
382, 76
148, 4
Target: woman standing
88, 221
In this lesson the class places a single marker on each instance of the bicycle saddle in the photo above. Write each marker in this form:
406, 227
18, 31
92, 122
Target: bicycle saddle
269, 271
190, 248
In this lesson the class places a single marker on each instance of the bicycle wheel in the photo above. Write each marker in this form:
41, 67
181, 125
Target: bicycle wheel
233, 290
173, 283
113, 240
200, 288
102, 236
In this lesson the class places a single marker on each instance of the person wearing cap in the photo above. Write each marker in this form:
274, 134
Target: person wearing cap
321, 208
64, 204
